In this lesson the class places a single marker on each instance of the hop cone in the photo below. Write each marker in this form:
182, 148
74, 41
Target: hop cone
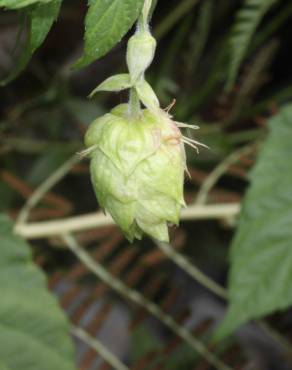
137, 170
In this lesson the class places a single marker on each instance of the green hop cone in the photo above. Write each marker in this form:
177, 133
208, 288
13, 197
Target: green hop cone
137, 170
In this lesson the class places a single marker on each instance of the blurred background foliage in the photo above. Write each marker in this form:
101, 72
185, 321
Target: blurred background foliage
228, 85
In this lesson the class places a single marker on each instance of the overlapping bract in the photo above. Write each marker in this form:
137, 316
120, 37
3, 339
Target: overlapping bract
137, 169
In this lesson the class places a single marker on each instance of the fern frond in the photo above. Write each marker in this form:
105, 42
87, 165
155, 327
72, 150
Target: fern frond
246, 22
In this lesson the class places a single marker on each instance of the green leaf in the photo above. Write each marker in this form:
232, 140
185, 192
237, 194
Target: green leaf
114, 83
33, 329
105, 24
261, 253
147, 95
16, 4
40, 18
246, 23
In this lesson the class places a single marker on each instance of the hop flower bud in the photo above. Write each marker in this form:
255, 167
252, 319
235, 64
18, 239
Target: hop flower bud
137, 170
140, 53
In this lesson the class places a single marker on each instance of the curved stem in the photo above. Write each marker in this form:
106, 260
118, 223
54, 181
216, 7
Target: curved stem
192, 270
210, 284
139, 299
37, 195
95, 344
215, 175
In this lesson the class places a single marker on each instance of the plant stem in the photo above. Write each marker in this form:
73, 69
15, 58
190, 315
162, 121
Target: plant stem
45, 229
139, 299
145, 13
134, 103
208, 283
215, 175
44, 188
192, 270
104, 353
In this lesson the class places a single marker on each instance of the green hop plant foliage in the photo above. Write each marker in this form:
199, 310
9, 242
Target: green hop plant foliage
138, 155
137, 169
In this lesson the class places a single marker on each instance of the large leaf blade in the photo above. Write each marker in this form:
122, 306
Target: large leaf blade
41, 17
261, 253
105, 24
33, 330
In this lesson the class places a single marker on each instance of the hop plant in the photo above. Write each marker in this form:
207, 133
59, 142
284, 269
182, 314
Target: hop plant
137, 170
138, 155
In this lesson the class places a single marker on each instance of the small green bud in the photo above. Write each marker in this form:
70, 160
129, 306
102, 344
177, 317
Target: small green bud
140, 53
137, 170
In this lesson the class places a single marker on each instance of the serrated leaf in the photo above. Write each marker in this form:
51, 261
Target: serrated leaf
261, 253
114, 83
105, 24
147, 95
246, 23
33, 329
41, 17
16, 4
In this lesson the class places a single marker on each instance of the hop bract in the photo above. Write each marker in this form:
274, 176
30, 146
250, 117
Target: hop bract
140, 53
137, 170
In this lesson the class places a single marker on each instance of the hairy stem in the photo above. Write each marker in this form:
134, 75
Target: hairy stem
145, 13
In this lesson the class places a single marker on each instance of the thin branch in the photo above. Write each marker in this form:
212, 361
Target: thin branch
219, 171
89, 221
95, 344
210, 284
139, 299
37, 195
191, 269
